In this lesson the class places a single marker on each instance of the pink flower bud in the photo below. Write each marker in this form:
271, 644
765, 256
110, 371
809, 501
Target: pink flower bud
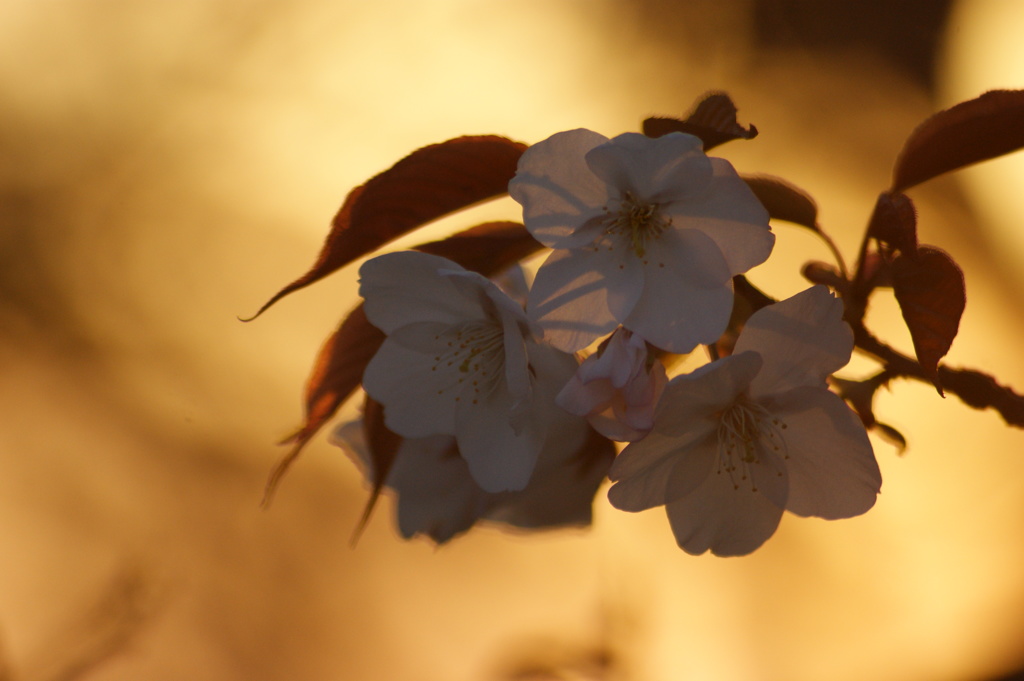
617, 388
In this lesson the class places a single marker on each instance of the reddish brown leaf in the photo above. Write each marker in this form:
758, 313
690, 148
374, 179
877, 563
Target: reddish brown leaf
894, 222
713, 120
383, 445
488, 248
428, 184
929, 287
336, 374
972, 131
784, 201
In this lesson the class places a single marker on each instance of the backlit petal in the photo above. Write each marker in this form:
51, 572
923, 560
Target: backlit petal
802, 339
832, 468
724, 520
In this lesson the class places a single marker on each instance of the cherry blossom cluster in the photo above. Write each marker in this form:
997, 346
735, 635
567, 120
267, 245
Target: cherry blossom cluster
496, 390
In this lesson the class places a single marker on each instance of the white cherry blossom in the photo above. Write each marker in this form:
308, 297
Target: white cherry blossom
646, 232
743, 438
617, 388
435, 495
460, 359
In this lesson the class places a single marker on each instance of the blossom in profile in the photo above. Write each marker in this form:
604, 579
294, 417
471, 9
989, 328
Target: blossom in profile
743, 438
647, 233
460, 358
617, 388
435, 495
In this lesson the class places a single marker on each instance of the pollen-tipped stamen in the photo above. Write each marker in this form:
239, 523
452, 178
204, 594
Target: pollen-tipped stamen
747, 433
638, 221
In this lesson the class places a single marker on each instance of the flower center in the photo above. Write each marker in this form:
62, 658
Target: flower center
747, 432
474, 356
638, 221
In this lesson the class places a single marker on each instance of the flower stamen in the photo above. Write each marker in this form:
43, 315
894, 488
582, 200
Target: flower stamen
638, 221
475, 350
747, 434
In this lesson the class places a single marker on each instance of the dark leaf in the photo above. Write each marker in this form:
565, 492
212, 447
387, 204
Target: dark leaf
426, 185
892, 436
488, 249
894, 222
713, 120
336, 374
818, 272
929, 287
383, 445
784, 201
972, 131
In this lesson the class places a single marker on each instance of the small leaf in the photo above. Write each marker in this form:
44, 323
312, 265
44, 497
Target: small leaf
713, 120
488, 249
894, 222
892, 436
929, 287
818, 272
426, 185
784, 201
972, 131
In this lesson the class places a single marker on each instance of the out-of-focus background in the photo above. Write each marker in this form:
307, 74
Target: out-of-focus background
166, 166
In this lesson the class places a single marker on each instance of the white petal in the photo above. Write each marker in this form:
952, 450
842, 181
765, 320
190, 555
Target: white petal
559, 194
731, 215
499, 458
832, 468
573, 295
659, 469
562, 489
436, 495
687, 293
728, 521
802, 339
404, 287
644, 165
703, 393
406, 384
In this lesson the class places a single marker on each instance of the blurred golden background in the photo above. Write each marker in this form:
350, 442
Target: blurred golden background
166, 166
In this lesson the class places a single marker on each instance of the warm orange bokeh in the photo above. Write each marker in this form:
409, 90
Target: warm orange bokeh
167, 166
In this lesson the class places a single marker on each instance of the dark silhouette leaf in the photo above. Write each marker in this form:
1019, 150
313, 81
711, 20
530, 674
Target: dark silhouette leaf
784, 201
426, 185
713, 120
929, 287
972, 131
894, 222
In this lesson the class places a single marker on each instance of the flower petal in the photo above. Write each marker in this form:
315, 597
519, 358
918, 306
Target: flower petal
387, 379
728, 521
687, 293
645, 165
499, 458
404, 287
436, 495
574, 293
559, 194
731, 215
802, 339
832, 468
700, 395
659, 469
